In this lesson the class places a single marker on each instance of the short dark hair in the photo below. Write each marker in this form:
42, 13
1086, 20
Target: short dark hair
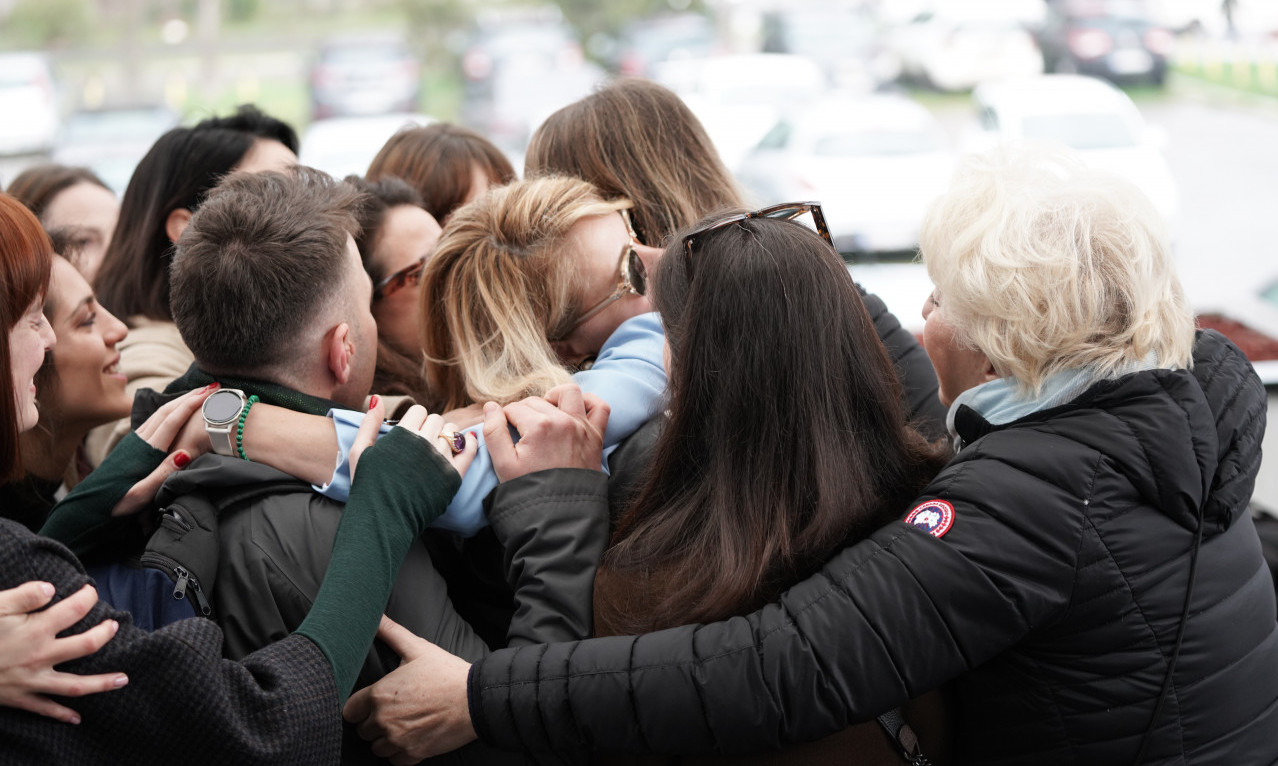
247, 118
177, 172
389, 192
260, 259
36, 186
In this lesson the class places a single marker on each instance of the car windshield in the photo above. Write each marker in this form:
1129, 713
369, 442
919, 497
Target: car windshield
877, 143
1080, 131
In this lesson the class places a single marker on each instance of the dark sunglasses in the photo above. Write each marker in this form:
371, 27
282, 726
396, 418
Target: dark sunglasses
632, 279
786, 211
408, 276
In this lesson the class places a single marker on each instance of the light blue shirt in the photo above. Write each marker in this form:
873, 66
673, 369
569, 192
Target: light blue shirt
628, 374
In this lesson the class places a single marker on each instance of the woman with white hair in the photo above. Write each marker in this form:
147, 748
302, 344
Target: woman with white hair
1084, 571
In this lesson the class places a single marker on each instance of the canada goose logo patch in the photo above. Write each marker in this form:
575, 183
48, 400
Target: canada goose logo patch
934, 517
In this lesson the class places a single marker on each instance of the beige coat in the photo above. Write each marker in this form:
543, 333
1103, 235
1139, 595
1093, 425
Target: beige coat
152, 356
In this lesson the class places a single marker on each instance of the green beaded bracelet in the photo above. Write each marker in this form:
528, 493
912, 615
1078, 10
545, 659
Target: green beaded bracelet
239, 429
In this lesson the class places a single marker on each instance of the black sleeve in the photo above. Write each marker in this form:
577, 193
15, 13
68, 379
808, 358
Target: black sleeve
885, 620
918, 377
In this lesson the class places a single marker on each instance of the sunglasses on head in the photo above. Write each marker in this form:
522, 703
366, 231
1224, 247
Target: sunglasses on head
408, 276
632, 279
786, 211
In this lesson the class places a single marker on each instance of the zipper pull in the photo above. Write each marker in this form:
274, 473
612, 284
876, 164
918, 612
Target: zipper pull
205, 608
179, 590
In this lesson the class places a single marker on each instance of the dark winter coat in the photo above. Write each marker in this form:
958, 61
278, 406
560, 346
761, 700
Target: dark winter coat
1055, 600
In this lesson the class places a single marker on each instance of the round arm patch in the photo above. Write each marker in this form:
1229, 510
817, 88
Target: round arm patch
934, 517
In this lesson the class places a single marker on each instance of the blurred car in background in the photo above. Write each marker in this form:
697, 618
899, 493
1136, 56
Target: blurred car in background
28, 104
647, 42
518, 68
111, 141
1113, 40
843, 37
1091, 116
873, 161
341, 146
372, 74
739, 98
955, 45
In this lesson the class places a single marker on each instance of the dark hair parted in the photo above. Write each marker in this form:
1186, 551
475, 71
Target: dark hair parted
260, 259
36, 186
786, 436
177, 172
380, 197
637, 139
25, 261
437, 160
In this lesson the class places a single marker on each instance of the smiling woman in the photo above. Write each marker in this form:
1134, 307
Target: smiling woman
78, 385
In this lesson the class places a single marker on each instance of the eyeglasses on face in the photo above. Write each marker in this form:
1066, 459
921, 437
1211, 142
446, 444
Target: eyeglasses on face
632, 279
786, 211
408, 276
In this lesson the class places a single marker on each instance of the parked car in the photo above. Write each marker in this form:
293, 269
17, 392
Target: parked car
28, 104
873, 161
647, 42
110, 141
364, 75
341, 146
954, 46
739, 98
1115, 41
1092, 116
842, 37
517, 70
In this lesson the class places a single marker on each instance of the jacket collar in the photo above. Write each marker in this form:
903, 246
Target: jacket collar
270, 393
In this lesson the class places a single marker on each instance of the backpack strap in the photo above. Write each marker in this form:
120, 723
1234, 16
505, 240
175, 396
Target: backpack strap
900, 732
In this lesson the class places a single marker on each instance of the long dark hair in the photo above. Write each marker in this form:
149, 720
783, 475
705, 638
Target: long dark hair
25, 258
178, 171
786, 435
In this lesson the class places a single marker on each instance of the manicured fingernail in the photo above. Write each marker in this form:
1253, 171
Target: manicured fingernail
473, 435
115, 626
212, 386
181, 459
47, 589
373, 401
73, 719
120, 680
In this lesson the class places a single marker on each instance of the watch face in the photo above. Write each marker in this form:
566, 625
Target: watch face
222, 407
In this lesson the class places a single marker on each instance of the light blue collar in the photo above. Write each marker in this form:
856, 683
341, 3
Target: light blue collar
1000, 401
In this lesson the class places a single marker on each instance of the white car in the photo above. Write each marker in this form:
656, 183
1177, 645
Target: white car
342, 146
739, 98
1091, 116
873, 161
956, 44
28, 104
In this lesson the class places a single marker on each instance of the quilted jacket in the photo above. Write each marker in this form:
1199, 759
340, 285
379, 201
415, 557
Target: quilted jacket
1054, 602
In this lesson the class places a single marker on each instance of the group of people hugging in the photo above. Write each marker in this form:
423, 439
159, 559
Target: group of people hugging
601, 466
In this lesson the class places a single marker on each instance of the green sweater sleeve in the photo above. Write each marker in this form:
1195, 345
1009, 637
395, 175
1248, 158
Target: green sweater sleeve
402, 484
83, 520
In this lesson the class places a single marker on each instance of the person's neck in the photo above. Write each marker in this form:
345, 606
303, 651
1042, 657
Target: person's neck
48, 453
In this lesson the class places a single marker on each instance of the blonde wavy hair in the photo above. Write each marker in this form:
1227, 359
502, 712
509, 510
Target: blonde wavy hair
1044, 265
498, 285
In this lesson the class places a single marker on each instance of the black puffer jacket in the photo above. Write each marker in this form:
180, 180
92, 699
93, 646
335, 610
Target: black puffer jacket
1054, 600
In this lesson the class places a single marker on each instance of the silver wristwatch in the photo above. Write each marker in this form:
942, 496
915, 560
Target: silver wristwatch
221, 416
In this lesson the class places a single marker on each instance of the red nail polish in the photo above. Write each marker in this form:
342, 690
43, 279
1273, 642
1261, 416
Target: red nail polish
373, 402
181, 459
213, 386
473, 435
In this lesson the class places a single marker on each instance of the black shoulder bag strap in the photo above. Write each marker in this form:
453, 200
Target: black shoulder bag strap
904, 737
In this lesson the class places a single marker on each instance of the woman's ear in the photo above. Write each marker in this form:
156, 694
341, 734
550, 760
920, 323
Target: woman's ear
176, 223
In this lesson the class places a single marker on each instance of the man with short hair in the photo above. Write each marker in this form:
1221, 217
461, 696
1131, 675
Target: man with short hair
269, 294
